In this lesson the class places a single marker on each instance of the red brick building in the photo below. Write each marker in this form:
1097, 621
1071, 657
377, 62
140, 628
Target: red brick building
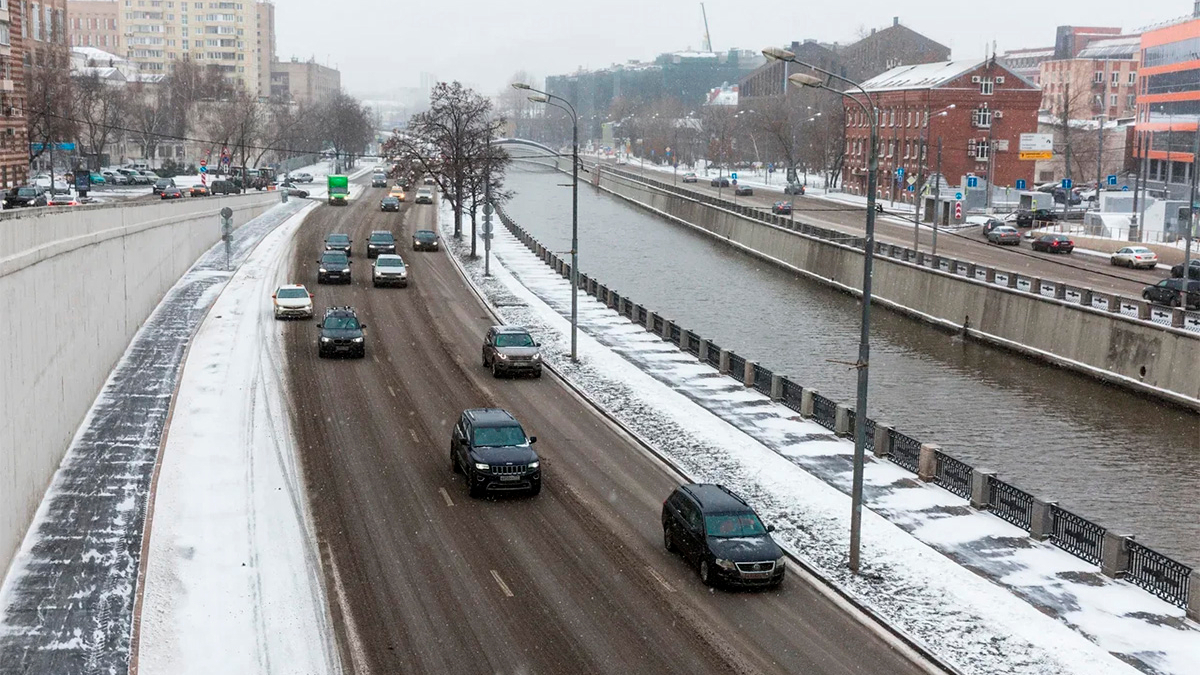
993, 106
14, 141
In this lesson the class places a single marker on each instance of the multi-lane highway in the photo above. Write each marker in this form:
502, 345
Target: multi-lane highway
423, 578
968, 244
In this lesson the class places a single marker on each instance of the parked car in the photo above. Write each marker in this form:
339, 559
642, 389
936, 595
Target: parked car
30, 195
150, 178
1004, 234
293, 190
490, 448
162, 184
115, 178
716, 531
782, 208
794, 188
1135, 256
1027, 218
1053, 243
171, 193
97, 179
719, 182
292, 301
1193, 269
690, 178
511, 349
1169, 291
301, 177
744, 191
199, 190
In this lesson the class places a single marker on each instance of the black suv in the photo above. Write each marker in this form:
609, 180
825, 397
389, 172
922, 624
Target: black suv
1170, 292
341, 333
162, 184
380, 241
222, 187
32, 195
1193, 270
338, 242
334, 267
491, 449
718, 532
425, 240
511, 349
1027, 218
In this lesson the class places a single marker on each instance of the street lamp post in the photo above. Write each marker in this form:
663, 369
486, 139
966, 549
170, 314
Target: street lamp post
546, 97
864, 343
917, 196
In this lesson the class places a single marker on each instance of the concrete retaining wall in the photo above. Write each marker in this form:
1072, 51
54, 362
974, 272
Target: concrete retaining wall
1153, 359
75, 285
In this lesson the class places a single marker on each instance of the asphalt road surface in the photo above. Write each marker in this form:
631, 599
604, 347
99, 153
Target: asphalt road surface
424, 579
967, 244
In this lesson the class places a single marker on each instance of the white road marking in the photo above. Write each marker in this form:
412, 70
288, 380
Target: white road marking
391, 391
446, 496
414, 436
503, 586
659, 578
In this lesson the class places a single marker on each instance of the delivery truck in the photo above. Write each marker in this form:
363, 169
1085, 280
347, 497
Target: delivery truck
339, 190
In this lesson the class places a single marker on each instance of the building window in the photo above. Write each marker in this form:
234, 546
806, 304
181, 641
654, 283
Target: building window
981, 117
1099, 78
987, 86
1114, 100
1116, 78
1133, 78
981, 150
1131, 100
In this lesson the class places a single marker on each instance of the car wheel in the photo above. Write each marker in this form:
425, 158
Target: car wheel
485, 361
495, 369
779, 583
537, 373
320, 353
474, 489
668, 542
705, 573
454, 468
536, 489
1145, 295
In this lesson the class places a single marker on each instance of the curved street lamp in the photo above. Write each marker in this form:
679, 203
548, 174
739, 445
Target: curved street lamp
540, 96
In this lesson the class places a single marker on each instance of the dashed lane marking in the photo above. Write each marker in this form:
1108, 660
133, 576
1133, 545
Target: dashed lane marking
446, 496
503, 586
391, 391
415, 438
659, 578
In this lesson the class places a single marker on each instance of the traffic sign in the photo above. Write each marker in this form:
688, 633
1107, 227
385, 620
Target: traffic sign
910, 187
958, 195
1037, 146
1124, 188
1112, 179
972, 181
900, 171
1021, 183
1067, 183
204, 162
958, 210
203, 169
911, 180
733, 175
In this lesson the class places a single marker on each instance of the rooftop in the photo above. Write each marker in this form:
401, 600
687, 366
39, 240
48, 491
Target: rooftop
921, 76
715, 498
1124, 47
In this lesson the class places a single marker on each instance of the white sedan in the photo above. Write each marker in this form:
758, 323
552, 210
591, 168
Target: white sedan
1135, 256
293, 301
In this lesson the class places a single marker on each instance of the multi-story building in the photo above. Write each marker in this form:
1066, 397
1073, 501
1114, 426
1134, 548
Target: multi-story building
304, 82
14, 139
1101, 81
1168, 105
978, 137
265, 45
894, 46
224, 36
1028, 62
93, 23
1069, 41
41, 46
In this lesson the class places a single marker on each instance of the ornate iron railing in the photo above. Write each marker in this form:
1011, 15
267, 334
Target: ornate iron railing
714, 355
737, 367
1155, 572
824, 411
762, 380
658, 324
691, 345
952, 474
792, 394
1076, 535
906, 451
1010, 503
676, 333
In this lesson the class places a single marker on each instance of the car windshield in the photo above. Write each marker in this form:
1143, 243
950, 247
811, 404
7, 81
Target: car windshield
390, 200
292, 293
389, 262
27, 192
514, 340
341, 323
163, 182
1139, 250
382, 238
334, 259
337, 239
734, 525
425, 234
497, 436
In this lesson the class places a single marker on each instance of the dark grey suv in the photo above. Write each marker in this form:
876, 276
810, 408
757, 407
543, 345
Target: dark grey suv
511, 349
717, 532
491, 449
341, 334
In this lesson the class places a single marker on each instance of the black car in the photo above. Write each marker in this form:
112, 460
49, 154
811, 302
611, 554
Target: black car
380, 241
490, 448
389, 204
744, 191
425, 240
719, 182
511, 349
333, 268
1053, 243
794, 189
1193, 270
341, 333
782, 208
1026, 218
338, 242
1169, 292
717, 531
171, 192
32, 195
222, 187
164, 183
991, 224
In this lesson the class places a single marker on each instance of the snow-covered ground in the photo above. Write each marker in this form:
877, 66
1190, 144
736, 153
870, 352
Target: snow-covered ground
973, 588
233, 581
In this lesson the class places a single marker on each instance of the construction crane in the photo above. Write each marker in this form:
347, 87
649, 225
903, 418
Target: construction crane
708, 38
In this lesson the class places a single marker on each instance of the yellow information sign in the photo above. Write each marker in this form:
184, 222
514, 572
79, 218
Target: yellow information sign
1037, 154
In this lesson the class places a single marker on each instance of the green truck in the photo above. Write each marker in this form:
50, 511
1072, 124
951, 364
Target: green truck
339, 190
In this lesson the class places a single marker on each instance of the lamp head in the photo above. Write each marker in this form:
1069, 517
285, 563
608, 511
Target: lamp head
539, 98
520, 85
777, 54
805, 80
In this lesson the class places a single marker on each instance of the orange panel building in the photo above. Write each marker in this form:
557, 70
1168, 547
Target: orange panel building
1168, 104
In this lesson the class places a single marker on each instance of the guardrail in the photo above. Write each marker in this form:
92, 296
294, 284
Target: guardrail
1133, 308
1157, 573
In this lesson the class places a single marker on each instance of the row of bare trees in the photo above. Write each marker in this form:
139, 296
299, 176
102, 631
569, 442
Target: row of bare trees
452, 141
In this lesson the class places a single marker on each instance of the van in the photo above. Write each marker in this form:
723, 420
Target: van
222, 187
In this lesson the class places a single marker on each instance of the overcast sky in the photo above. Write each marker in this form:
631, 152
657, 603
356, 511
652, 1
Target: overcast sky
380, 45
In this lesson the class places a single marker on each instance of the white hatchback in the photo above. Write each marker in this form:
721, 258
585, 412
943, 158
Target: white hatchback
293, 301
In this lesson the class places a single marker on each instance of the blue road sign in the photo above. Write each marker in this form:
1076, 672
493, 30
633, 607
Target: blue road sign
733, 175
1124, 188
203, 169
1021, 183
1112, 179
958, 196
900, 171
911, 188
972, 181
1067, 183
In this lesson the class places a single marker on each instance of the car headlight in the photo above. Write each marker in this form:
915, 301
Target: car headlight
534, 464
503, 357
357, 339
325, 339
322, 270
725, 564
537, 357
345, 270
481, 467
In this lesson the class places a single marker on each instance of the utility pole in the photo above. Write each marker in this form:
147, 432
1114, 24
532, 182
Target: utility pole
1191, 222
937, 192
893, 150
991, 159
1137, 187
1066, 120
1099, 160
1145, 183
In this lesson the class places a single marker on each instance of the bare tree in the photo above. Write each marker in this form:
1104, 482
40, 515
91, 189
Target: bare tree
48, 118
346, 125
152, 117
719, 126
100, 109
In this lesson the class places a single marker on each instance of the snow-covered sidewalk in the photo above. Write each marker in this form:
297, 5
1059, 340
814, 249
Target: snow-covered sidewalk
934, 568
233, 580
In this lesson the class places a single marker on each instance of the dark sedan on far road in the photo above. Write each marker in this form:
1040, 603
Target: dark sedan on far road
720, 182
389, 204
425, 240
782, 208
1053, 243
171, 193
744, 191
